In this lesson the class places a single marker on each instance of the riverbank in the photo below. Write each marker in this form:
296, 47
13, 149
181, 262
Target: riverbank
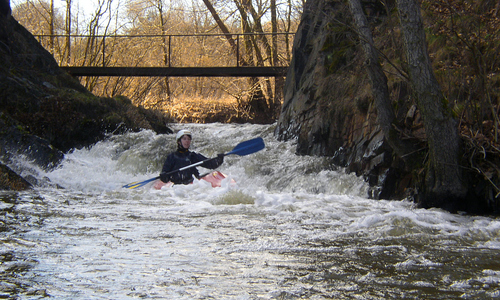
205, 110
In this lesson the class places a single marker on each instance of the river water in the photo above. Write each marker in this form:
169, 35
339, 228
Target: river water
291, 227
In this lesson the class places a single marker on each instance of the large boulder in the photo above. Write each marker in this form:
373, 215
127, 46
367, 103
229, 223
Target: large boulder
329, 109
328, 105
15, 142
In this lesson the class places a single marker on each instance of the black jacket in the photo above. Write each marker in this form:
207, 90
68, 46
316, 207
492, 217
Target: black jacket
180, 159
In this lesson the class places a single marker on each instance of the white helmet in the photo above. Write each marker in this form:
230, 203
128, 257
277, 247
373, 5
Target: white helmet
181, 133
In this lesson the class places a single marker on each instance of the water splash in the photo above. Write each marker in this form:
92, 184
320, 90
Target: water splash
291, 227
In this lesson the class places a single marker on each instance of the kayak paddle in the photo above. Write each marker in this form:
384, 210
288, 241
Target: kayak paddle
242, 149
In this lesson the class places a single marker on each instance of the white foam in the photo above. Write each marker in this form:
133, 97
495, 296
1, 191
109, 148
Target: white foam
281, 203
275, 178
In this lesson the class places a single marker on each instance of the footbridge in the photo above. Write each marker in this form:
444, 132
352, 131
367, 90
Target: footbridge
177, 71
172, 55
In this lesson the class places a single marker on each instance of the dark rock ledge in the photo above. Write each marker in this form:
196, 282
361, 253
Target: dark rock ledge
44, 112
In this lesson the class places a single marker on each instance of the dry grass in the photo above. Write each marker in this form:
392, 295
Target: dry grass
205, 110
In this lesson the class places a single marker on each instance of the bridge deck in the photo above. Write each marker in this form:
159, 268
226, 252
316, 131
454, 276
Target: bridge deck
178, 72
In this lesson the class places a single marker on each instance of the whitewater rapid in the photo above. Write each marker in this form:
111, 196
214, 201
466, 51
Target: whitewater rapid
291, 227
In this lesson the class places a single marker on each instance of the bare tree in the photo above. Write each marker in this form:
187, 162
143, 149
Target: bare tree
51, 26
224, 29
165, 47
261, 107
95, 48
42, 18
169, 20
443, 176
279, 81
380, 91
67, 28
443, 182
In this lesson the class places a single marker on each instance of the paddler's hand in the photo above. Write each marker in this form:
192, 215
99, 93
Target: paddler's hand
164, 177
220, 158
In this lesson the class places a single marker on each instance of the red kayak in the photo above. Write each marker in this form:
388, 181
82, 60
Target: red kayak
215, 178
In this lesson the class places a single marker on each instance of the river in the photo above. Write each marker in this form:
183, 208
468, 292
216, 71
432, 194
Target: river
292, 227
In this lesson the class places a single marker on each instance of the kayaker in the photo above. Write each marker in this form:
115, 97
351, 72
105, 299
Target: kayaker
183, 157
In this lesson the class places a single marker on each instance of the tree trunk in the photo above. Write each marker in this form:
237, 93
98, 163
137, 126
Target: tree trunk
224, 29
288, 28
378, 80
278, 80
51, 26
68, 32
247, 39
443, 181
166, 59
385, 113
270, 107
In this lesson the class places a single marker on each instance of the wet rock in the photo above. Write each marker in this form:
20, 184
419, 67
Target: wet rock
15, 142
328, 105
44, 112
9, 180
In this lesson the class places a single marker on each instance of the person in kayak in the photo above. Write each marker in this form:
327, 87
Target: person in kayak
183, 157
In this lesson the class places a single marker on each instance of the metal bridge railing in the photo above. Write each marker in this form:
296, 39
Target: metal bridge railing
171, 50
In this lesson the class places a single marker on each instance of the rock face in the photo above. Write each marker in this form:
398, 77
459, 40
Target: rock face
14, 142
328, 102
44, 112
328, 107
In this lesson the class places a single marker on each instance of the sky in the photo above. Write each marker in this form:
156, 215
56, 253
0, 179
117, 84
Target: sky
83, 10
86, 6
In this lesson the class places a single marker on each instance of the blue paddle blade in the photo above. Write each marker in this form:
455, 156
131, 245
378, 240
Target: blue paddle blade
248, 147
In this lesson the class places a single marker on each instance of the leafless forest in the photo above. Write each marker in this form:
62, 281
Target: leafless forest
173, 33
